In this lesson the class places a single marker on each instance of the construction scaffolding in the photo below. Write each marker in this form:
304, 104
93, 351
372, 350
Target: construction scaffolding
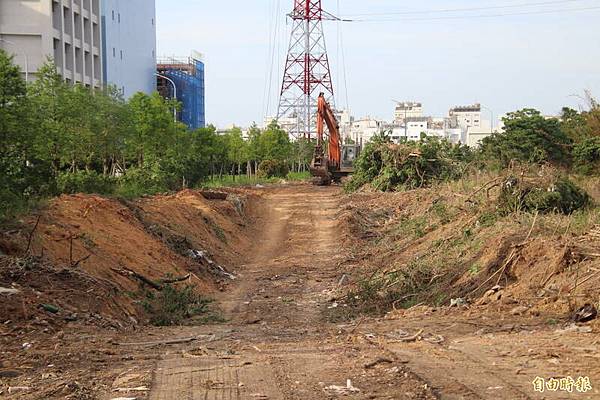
183, 79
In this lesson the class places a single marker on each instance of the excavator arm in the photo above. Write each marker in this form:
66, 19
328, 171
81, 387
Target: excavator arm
325, 114
323, 168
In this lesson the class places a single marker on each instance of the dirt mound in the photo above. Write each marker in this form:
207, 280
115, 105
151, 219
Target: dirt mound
85, 254
446, 245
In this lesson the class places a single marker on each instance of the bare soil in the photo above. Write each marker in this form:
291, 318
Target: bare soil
294, 250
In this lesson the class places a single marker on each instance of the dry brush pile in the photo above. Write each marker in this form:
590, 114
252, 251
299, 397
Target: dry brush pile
505, 238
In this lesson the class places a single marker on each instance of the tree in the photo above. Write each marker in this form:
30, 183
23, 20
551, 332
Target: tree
237, 149
303, 150
274, 143
529, 137
13, 133
153, 127
574, 124
254, 152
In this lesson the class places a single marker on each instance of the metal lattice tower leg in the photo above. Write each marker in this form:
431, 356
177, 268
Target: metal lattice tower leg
307, 70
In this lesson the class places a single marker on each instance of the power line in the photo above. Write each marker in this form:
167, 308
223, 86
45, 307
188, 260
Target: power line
454, 10
538, 12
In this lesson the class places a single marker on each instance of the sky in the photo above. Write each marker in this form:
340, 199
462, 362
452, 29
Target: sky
511, 55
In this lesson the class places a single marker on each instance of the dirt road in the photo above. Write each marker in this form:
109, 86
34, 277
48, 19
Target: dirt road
277, 345
280, 343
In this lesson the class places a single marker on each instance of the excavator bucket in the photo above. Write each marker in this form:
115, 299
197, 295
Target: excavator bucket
319, 168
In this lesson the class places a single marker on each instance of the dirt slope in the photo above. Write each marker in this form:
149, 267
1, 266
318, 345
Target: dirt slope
84, 243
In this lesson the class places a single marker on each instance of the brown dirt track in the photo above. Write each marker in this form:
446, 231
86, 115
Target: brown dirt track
289, 251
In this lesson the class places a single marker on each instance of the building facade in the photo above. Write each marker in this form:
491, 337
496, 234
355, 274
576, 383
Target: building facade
129, 45
183, 79
67, 31
407, 109
466, 116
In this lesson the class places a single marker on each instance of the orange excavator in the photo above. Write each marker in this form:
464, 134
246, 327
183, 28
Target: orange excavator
339, 159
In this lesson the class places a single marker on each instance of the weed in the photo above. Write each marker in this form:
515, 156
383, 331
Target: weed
488, 218
219, 232
172, 305
475, 269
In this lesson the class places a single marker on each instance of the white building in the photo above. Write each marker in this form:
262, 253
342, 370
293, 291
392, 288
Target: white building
68, 31
407, 109
129, 45
363, 130
466, 116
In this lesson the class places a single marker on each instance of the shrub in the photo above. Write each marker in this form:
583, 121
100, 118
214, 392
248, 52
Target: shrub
529, 137
85, 182
172, 306
273, 169
557, 195
388, 167
586, 156
141, 181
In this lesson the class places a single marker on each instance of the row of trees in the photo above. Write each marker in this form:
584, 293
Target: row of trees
57, 137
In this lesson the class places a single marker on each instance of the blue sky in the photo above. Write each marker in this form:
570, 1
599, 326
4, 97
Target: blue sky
506, 62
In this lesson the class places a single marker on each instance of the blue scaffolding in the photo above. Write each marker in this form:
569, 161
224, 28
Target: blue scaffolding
189, 81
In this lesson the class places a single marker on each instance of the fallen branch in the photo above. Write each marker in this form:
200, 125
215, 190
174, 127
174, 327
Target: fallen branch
30, 238
175, 280
380, 360
171, 341
483, 187
132, 274
76, 263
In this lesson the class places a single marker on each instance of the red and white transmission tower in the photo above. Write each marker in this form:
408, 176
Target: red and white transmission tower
307, 70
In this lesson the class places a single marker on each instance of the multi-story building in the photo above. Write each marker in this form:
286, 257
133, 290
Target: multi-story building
364, 129
67, 31
183, 79
466, 116
129, 45
407, 109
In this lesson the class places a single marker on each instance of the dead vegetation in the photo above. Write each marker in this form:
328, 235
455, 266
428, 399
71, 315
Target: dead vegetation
521, 238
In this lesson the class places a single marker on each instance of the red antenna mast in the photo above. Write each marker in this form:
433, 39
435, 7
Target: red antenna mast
307, 72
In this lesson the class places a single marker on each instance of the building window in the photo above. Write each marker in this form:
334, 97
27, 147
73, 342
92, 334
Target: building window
114, 52
152, 21
119, 17
121, 54
113, 15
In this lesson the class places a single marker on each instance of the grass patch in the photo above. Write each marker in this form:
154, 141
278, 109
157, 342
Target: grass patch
244, 180
219, 232
175, 306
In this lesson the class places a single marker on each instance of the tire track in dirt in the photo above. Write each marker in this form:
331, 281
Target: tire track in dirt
277, 345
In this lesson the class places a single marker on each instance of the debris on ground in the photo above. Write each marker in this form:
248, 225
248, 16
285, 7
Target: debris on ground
343, 390
9, 291
586, 313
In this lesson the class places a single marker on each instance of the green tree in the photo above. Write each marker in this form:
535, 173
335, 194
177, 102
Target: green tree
254, 152
237, 150
528, 136
13, 133
274, 144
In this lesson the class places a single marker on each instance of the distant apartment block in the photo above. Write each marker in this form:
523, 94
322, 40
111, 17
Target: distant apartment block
183, 79
407, 109
67, 31
129, 45
466, 116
